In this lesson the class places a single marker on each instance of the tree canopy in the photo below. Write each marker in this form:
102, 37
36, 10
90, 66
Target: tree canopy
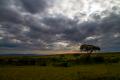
89, 48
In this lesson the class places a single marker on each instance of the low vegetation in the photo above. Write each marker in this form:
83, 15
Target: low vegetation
100, 66
58, 60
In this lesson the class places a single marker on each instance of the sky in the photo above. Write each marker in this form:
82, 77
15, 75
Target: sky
43, 24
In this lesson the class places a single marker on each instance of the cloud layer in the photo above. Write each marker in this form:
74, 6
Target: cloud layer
37, 24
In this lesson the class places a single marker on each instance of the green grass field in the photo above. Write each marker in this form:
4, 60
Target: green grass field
82, 72
99, 71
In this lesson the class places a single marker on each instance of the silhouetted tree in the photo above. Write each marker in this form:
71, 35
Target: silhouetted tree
89, 48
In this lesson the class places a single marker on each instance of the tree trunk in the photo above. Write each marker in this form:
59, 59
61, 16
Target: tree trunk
89, 55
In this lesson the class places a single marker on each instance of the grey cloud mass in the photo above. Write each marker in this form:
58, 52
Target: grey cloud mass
35, 24
34, 6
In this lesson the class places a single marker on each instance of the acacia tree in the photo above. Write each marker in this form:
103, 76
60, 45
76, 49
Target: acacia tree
89, 48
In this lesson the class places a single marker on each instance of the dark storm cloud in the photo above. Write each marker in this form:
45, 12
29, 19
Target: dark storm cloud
10, 16
111, 24
57, 24
3, 3
70, 29
12, 23
65, 26
13, 10
18, 30
34, 6
107, 29
5, 43
104, 30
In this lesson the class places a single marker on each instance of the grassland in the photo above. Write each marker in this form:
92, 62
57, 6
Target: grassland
106, 70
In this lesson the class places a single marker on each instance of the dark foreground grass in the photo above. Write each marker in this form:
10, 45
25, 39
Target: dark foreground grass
81, 72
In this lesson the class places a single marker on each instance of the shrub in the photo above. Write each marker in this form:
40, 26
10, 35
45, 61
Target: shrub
98, 59
41, 62
89, 60
24, 61
76, 55
63, 64
84, 60
112, 60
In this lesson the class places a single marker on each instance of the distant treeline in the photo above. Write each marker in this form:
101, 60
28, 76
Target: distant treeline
61, 60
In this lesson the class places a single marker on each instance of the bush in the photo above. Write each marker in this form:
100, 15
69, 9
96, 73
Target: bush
76, 55
113, 60
88, 60
84, 60
62, 64
26, 61
98, 59
61, 60
41, 62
